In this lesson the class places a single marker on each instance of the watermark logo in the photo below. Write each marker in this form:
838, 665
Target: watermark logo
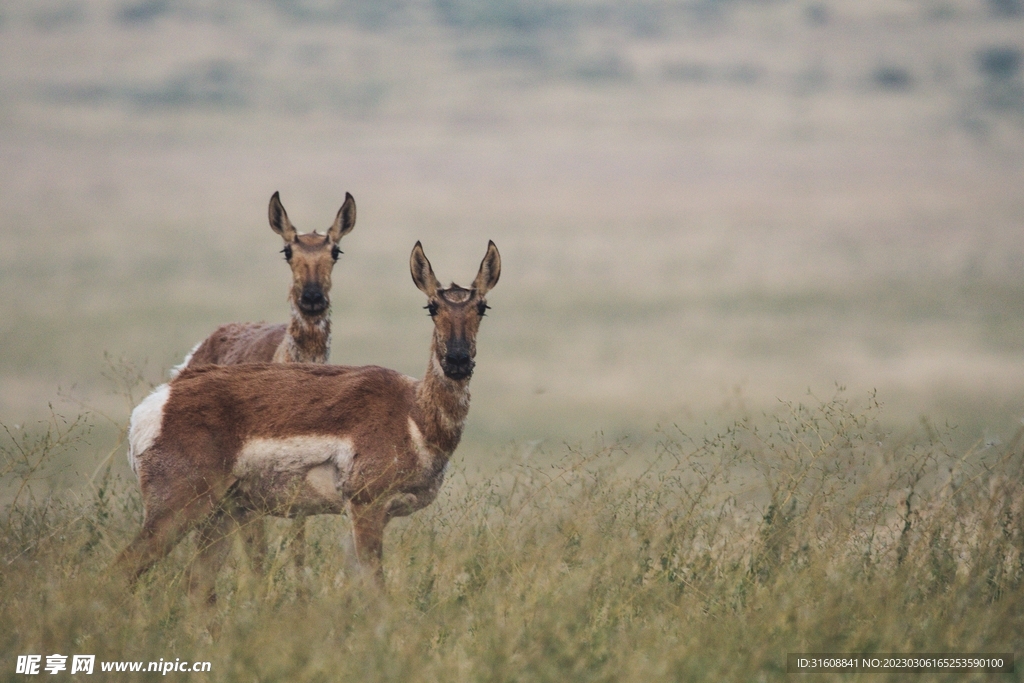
33, 665
82, 664
56, 663
28, 664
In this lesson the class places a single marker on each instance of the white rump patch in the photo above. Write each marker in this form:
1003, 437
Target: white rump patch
423, 454
295, 454
144, 426
176, 370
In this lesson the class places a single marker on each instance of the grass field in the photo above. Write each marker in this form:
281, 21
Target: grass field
705, 210
812, 532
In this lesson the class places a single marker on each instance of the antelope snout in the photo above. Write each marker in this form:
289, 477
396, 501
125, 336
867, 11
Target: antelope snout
458, 364
313, 299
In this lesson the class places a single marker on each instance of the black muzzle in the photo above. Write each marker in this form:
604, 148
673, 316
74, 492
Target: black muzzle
457, 363
313, 300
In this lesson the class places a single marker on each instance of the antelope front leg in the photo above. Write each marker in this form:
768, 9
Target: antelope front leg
368, 522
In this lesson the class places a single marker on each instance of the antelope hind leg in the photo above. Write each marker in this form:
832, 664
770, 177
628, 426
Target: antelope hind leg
254, 538
161, 531
214, 544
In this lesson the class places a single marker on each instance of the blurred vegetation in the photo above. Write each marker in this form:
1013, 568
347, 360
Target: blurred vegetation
592, 42
814, 531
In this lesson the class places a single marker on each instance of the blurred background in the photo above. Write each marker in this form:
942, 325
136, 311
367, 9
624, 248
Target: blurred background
703, 207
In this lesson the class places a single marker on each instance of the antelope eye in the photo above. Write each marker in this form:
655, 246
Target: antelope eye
336, 252
481, 308
431, 308
287, 251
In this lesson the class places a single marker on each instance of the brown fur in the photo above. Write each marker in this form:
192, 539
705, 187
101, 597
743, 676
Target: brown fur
219, 407
307, 337
188, 474
236, 343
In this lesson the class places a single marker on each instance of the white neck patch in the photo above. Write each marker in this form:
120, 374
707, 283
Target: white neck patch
419, 444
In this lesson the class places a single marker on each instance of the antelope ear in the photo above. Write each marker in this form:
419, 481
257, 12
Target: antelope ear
345, 221
279, 222
422, 273
490, 270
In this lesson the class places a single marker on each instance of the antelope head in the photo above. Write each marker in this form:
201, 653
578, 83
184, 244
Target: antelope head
456, 311
311, 256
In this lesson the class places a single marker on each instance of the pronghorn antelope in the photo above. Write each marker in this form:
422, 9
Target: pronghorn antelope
221, 442
305, 339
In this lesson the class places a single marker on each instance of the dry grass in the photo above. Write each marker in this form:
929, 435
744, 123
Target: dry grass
809, 532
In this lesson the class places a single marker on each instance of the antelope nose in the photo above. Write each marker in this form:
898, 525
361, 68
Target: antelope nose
457, 363
457, 357
313, 297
